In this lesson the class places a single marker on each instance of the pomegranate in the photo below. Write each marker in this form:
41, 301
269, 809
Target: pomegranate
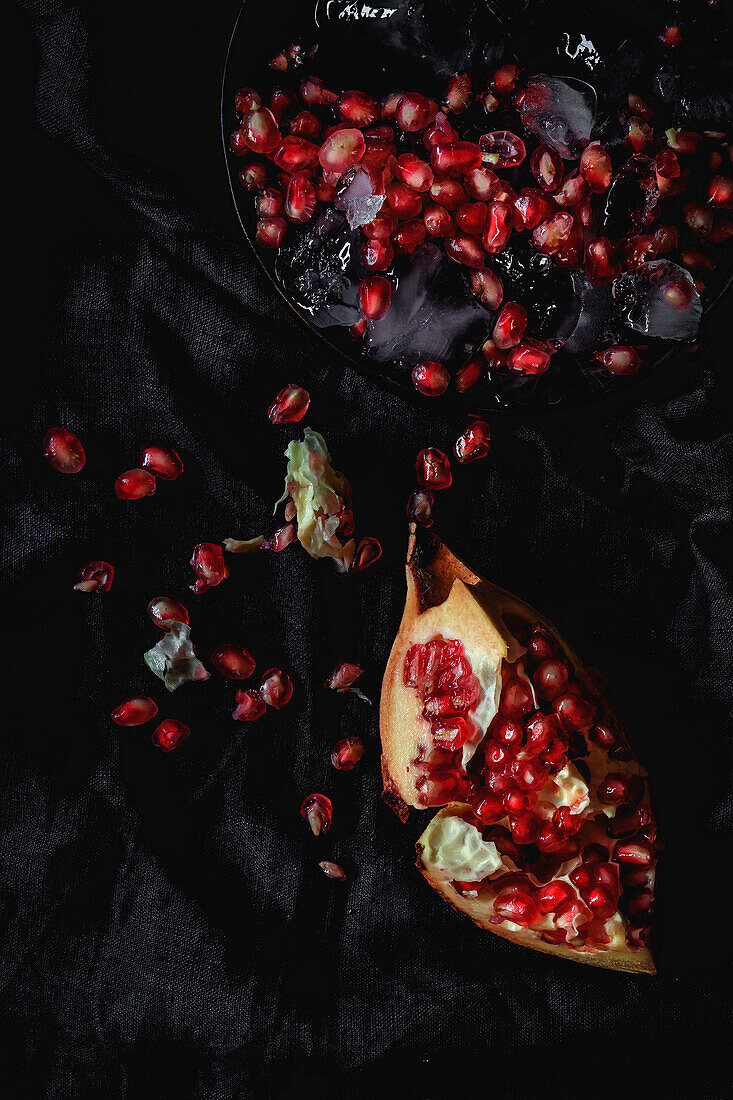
95, 576
135, 711
209, 566
169, 734
161, 461
290, 405
233, 661
536, 833
134, 484
64, 451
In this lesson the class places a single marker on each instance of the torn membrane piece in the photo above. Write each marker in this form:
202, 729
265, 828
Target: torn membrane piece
174, 660
545, 833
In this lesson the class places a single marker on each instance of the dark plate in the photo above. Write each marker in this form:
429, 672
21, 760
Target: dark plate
420, 45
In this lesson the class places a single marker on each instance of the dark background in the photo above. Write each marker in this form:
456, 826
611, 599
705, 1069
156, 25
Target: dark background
166, 929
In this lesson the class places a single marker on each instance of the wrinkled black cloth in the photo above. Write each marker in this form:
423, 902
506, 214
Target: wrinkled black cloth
166, 931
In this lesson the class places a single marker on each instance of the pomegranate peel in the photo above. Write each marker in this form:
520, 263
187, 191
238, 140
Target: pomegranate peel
489, 716
174, 660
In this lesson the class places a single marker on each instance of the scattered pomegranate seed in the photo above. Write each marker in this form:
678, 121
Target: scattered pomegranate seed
134, 484
433, 469
698, 219
317, 810
502, 149
529, 359
368, 551
505, 78
510, 325
474, 443
546, 167
596, 167
620, 360
280, 539
164, 612
260, 131
270, 232
455, 156
313, 90
253, 175
413, 172
346, 753
300, 198
246, 99
95, 576
209, 566
471, 218
448, 193
406, 203
169, 734
250, 706
343, 676
375, 294
162, 461
465, 250
467, 377
276, 688
499, 225
437, 221
291, 404
517, 907
135, 711
409, 236
530, 208
553, 234
420, 507
342, 150
332, 870
671, 36
412, 112
233, 661
601, 264
458, 95
720, 192
64, 451
357, 108
378, 255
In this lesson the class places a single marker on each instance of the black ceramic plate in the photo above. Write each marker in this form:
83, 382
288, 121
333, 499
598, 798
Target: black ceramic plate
419, 45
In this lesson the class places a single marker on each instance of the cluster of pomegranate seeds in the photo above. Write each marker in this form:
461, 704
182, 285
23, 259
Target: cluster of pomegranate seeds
95, 576
64, 451
317, 810
275, 690
291, 404
209, 566
169, 734
135, 711
233, 661
410, 169
346, 753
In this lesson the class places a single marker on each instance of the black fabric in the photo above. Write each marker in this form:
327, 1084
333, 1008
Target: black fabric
166, 929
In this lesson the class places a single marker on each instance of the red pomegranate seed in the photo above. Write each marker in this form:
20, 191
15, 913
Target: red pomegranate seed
300, 198
487, 286
671, 36
553, 234
595, 167
452, 733
95, 576
551, 678
437, 221
546, 167
276, 688
465, 250
409, 235
517, 907
378, 255
639, 134
420, 507
246, 99
529, 358
270, 232
317, 810
469, 376
510, 325
209, 566
458, 95
237, 144
281, 102
516, 699
481, 183
295, 154
357, 108
620, 359
306, 125
367, 552
553, 896
332, 870
375, 294
455, 156
666, 164
439, 132
162, 461
346, 753
502, 149
430, 378
574, 713
413, 172
343, 676
279, 63
505, 78
507, 733
698, 219
530, 208
169, 734
135, 711
382, 225
601, 901
253, 175
720, 192
448, 193
412, 112
471, 218
490, 102
269, 203
499, 225
233, 661
250, 706
290, 405
313, 90
601, 265
614, 790
134, 484
474, 443
639, 852
164, 612
405, 203
571, 191
495, 357
678, 294
260, 131
541, 729
433, 469
342, 150
64, 451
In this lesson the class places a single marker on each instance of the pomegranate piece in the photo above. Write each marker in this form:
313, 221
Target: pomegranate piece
368, 550
413, 112
209, 566
135, 711
375, 294
134, 484
499, 225
529, 358
346, 753
378, 255
474, 443
510, 325
430, 379
342, 150
720, 192
546, 167
357, 108
233, 661
270, 232
413, 172
620, 359
317, 810
250, 706
332, 870
260, 131
502, 149
433, 469
458, 95
164, 612
313, 90
169, 734
161, 461
465, 250
290, 405
300, 198
64, 451
405, 202
455, 156
95, 576
596, 167
487, 286
276, 688
420, 507
553, 234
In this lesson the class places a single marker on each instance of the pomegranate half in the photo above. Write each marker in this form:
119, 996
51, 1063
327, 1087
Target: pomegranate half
545, 834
